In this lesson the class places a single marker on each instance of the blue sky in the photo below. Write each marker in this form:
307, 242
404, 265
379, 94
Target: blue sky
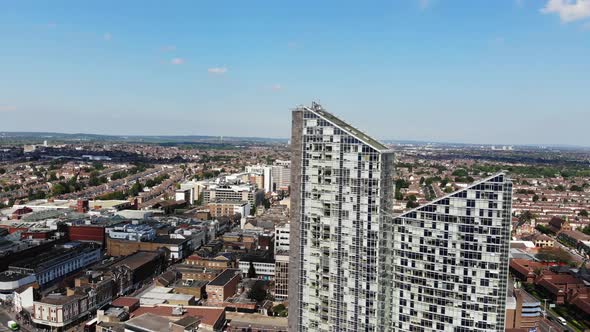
500, 72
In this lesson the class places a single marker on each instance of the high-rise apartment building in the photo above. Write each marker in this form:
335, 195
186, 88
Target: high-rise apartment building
355, 266
445, 264
341, 181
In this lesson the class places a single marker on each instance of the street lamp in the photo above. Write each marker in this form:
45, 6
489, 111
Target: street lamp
545, 311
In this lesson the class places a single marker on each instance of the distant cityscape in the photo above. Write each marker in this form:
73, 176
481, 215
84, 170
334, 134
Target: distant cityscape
327, 230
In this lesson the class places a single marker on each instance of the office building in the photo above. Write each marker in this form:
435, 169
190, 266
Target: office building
229, 209
282, 276
280, 175
342, 180
445, 264
233, 192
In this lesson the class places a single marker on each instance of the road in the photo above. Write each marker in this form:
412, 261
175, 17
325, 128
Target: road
554, 316
550, 326
5, 317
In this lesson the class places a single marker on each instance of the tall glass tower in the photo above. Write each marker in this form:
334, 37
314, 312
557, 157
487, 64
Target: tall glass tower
446, 263
341, 182
355, 266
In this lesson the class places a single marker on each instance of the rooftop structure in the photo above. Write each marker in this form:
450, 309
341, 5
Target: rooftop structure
225, 277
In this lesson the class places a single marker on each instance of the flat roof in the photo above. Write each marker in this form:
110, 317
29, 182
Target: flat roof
224, 277
149, 322
12, 276
209, 315
137, 259
257, 320
54, 256
168, 240
60, 299
125, 302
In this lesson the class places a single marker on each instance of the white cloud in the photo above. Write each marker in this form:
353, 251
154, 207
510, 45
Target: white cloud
177, 61
276, 87
217, 70
107, 36
568, 10
424, 4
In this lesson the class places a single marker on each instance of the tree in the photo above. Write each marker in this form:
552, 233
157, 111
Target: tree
460, 173
544, 229
560, 188
2, 171
583, 213
258, 291
558, 255
401, 183
526, 217
576, 188
412, 203
535, 198
252, 271
97, 166
280, 310
59, 189
52, 176
136, 188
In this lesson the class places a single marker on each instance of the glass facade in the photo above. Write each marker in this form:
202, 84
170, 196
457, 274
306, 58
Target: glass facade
355, 266
446, 266
341, 192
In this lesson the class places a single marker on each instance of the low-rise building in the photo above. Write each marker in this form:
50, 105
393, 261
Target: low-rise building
58, 262
218, 262
574, 239
59, 311
177, 246
223, 286
131, 232
540, 240
219, 209
523, 310
192, 272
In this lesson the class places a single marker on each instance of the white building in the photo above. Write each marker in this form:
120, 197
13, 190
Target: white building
23, 300
343, 180
11, 281
264, 270
447, 262
131, 232
282, 238
354, 266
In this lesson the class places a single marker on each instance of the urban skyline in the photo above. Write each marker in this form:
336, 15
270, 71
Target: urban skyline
399, 61
295, 166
